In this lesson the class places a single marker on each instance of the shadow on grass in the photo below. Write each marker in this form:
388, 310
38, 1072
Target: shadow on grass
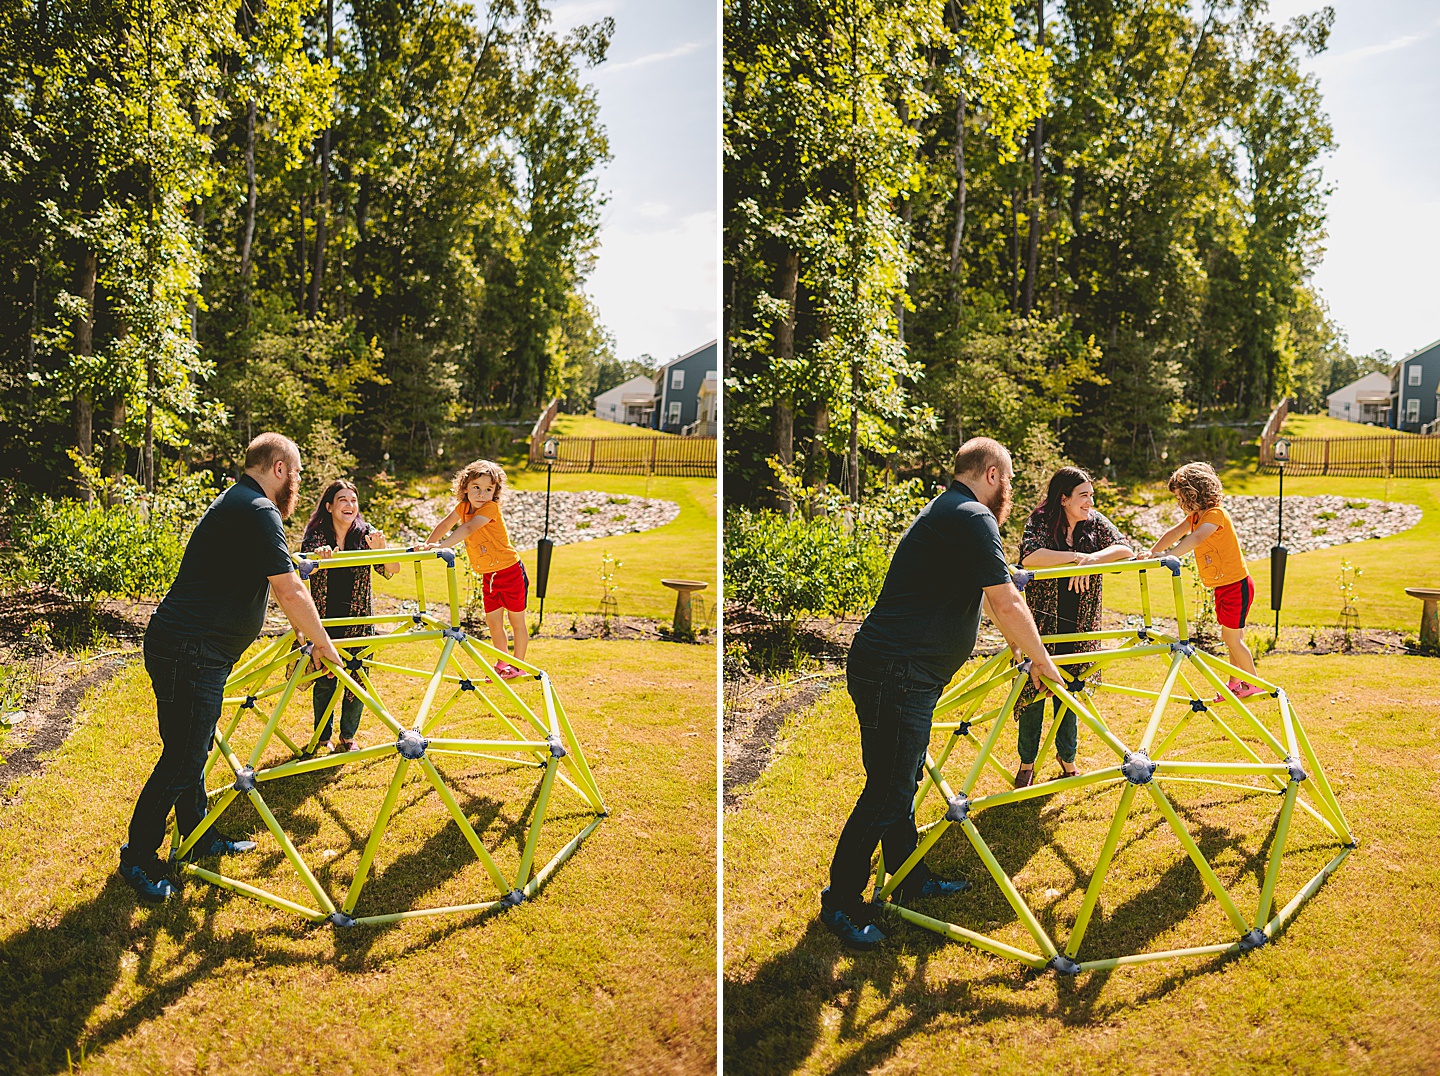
777, 1017
56, 976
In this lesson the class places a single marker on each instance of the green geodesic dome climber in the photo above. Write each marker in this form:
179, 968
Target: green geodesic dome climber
520, 723
1267, 755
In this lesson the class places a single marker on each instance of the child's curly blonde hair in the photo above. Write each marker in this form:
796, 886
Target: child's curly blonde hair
1197, 487
479, 469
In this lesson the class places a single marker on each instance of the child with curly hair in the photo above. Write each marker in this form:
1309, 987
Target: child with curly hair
476, 521
1208, 530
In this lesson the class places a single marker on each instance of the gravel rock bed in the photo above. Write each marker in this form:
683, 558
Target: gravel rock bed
574, 517
1310, 522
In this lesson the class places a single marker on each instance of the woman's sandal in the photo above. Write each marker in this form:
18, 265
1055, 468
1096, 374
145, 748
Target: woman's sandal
1025, 777
1073, 771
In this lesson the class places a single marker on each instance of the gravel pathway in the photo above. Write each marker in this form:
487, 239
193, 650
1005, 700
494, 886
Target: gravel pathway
1310, 522
574, 517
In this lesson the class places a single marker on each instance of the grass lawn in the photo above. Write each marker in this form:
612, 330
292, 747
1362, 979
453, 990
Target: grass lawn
1351, 984
610, 968
590, 426
683, 549
1297, 425
1312, 593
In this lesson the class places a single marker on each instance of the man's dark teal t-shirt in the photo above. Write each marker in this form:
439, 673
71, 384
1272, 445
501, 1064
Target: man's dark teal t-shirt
222, 588
928, 611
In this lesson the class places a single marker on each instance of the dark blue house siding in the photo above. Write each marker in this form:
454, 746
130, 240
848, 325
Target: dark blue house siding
1405, 415
691, 368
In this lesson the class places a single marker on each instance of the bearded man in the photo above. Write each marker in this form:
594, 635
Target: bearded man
920, 632
213, 611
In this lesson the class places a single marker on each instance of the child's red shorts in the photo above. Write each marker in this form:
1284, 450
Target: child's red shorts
1232, 602
509, 588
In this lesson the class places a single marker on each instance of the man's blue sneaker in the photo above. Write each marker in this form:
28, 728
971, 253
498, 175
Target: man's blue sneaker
938, 887
853, 927
217, 844
147, 879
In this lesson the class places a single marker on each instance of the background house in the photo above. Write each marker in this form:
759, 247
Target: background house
707, 407
1414, 381
1366, 399
679, 384
631, 403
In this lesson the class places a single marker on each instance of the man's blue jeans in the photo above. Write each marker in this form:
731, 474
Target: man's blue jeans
189, 680
1032, 721
894, 709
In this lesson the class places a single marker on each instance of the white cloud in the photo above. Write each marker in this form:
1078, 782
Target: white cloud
651, 58
1333, 61
574, 12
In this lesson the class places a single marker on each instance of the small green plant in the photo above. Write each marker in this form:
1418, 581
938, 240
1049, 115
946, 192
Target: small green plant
617, 500
1357, 504
582, 524
609, 590
1357, 523
589, 510
1317, 531
1349, 597
1326, 515
619, 518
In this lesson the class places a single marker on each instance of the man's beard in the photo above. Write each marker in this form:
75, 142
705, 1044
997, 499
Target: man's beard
289, 495
999, 504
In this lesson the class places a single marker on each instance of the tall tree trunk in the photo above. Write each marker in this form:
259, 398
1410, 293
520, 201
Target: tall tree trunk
84, 349
783, 417
1037, 208
249, 236
1013, 229
853, 458
959, 232
322, 210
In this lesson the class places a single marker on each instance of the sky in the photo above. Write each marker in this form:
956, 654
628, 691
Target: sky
1380, 78
656, 280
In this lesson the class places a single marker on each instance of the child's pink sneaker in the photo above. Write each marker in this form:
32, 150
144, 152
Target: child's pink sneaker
1234, 685
1245, 690
508, 671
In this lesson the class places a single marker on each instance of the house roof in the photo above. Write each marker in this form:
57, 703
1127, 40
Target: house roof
689, 354
1417, 351
1384, 380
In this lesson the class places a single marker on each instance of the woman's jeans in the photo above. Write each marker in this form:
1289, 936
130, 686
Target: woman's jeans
350, 708
894, 710
1032, 721
189, 680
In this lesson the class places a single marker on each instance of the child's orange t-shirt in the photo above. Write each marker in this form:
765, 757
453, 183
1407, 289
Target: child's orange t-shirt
488, 546
1218, 557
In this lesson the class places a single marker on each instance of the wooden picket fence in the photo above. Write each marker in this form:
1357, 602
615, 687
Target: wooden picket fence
1357, 457
692, 457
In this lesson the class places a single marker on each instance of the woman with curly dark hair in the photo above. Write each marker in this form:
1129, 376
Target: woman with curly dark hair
1066, 529
339, 593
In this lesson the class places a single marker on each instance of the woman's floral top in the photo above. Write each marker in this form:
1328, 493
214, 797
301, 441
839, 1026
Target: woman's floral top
1043, 595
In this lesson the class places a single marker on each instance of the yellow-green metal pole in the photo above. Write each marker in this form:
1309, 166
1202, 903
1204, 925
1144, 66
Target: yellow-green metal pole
269, 730
1277, 850
577, 756
321, 897
1317, 774
434, 685
544, 873
1158, 712
1102, 865
1182, 625
1145, 617
1308, 890
1197, 857
533, 837
1022, 910
419, 588
254, 891
1169, 954
989, 745
453, 585
377, 833
958, 933
452, 805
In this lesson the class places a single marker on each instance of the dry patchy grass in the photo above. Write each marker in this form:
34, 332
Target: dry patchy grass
610, 968
1351, 984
